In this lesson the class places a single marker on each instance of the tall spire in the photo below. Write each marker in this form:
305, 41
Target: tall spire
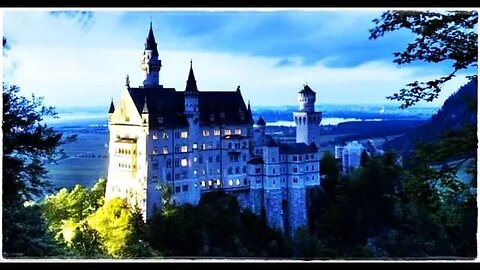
151, 44
191, 82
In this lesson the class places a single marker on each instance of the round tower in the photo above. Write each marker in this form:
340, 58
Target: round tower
306, 99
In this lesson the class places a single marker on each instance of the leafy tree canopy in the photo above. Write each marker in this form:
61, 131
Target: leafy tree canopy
440, 37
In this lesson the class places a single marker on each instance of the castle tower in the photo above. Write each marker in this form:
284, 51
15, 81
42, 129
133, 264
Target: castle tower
150, 63
192, 113
307, 120
261, 124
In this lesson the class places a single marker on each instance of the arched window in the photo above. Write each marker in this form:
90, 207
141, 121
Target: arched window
169, 163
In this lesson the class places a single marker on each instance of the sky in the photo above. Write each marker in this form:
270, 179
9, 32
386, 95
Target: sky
271, 54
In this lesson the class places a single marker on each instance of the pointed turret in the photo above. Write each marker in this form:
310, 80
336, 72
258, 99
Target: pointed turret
145, 107
261, 122
151, 64
191, 82
112, 107
150, 44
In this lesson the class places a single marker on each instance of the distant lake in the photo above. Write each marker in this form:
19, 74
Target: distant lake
325, 121
100, 119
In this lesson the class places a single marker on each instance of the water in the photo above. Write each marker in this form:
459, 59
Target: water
325, 121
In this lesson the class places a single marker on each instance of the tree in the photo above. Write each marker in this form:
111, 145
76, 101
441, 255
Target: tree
440, 37
329, 168
364, 158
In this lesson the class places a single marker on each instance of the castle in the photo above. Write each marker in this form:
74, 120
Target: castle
191, 142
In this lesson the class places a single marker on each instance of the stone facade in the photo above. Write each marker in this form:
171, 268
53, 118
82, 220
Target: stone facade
172, 145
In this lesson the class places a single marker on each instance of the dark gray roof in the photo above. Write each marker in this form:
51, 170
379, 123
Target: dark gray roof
261, 122
256, 160
191, 82
151, 44
297, 148
307, 90
169, 106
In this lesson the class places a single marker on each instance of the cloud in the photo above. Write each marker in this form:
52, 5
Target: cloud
270, 54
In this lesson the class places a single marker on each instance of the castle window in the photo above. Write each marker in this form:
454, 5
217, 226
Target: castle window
306, 168
295, 180
165, 135
210, 159
230, 182
257, 170
273, 171
274, 181
244, 157
210, 182
245, 181
165, 150
237, 170
238, 131
195, 172
155, 165
195, 185
177, 148
177, 176
273, 159
155, 151
200, 160
204, 146
244, 169
244, 144
210, 171
216, 132
127, 119
230, 145
169, 163
184, 135
204, 172
299, 158
177, 134
295, 169
230, 170
210, 145
228, 131
306, 157
184, 149
177, 189
203, 183
169, 176
294, 158
313, 168
185, 188
177, 162
237, 182
184, 162
154, 136
184, 175
155, 179
194, 145
258, 181
206, 133
218, 170
218, 182
312, 156
195, 159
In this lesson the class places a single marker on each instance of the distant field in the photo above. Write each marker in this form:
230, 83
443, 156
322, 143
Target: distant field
87, 160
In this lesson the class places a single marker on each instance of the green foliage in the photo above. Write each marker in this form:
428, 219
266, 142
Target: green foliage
25, 233
27, 143
329, 167
214, 228
75, 205
441, 36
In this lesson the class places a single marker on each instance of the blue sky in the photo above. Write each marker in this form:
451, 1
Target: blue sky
269, 53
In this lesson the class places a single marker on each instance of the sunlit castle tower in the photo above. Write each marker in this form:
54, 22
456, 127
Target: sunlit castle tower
176, 145
307, 119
